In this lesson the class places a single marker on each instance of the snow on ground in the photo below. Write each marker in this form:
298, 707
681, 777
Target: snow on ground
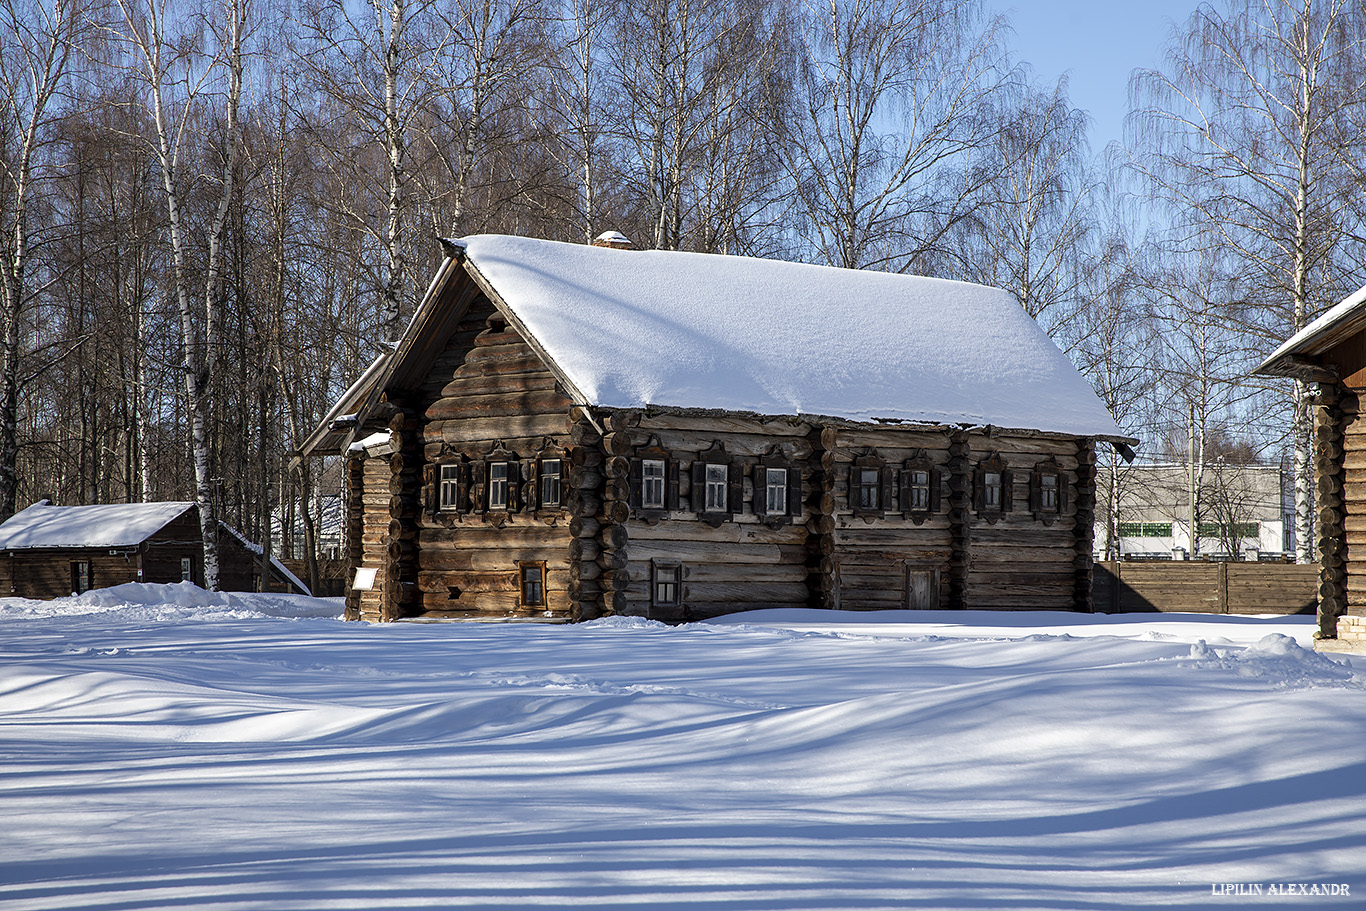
162, 747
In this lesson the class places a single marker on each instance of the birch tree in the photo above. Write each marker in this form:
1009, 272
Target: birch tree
37, 40
178, 84
1245, 138
893, 99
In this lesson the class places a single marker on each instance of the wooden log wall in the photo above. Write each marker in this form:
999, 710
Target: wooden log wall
1016, 561
355, 531
374, 552
891, 561
1341, 440
1084, 528
822, 579
745, 562
46, 574
488, 390
404, 485
959, 499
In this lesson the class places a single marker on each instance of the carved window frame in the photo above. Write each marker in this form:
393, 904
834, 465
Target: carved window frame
653, 452
1038, 490
531, 583
717, 456
993, 464
793, 492
921, 463
862, 489
534, 487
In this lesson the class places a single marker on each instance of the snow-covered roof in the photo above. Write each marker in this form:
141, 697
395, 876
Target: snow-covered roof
631, 329
1337, 322
256, 549
112, 525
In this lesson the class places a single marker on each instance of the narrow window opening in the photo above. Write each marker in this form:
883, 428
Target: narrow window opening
918, 490
80, 577
1048, 492
498, 485
551, 483
652, 484
666, 586
775, 491
991, 490
450, 487
533, 584
716, 488
866, 483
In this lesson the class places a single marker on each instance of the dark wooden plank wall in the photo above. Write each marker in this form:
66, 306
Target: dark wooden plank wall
1206, 588
44, 574
489, 388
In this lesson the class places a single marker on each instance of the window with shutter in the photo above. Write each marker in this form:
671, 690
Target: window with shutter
551, 488
717, 484
870, 486
775, 491
992, 488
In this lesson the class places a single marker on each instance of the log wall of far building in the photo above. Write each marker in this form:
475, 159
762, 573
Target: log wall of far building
488, 396
1019, 560
741, 561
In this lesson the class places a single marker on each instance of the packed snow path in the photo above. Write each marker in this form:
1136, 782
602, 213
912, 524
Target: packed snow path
165, 748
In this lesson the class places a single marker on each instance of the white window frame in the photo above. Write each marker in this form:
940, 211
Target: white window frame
186, 569
1048, 495
717, 487
917, 491
652, 483
775, 491
992, 490
869, 492
449, 486
498, 487
554, 479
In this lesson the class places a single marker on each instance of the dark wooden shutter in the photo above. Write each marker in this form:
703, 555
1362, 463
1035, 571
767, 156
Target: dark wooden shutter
533, 483
759, 502
479, 501
671, 484
699, 486
514, 485
735, 488
462, 487
431, 492
884, 493
1007, 491
1035, 491
1062, 493
936, 481
795, 492
637, 482
979, 483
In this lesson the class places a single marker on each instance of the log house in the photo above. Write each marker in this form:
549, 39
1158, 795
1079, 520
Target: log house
1331, 352
568, 432
49, 551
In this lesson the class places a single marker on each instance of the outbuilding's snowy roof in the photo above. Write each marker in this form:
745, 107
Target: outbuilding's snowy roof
111, 525
630, 329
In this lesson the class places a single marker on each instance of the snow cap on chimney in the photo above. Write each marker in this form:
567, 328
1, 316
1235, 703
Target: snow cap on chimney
614, 239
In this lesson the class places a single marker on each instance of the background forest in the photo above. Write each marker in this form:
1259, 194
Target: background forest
215, 216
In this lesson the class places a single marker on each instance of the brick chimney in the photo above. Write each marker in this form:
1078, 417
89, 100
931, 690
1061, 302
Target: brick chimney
614, 239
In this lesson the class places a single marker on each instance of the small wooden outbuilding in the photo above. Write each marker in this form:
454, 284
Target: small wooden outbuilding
49, 551
1331, 351
570, 431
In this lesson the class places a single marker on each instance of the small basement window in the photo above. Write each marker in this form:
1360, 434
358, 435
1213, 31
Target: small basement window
533, 584
552, 483
652, 484
666, 586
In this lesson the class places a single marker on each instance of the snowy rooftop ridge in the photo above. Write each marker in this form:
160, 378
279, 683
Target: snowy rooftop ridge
109, 525
703, 331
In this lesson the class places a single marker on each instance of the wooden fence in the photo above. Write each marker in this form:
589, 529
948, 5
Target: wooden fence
1206, 588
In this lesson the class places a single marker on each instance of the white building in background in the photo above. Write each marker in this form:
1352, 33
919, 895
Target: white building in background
1244, 512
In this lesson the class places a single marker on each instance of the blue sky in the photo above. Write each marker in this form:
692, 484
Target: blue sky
1097, 43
